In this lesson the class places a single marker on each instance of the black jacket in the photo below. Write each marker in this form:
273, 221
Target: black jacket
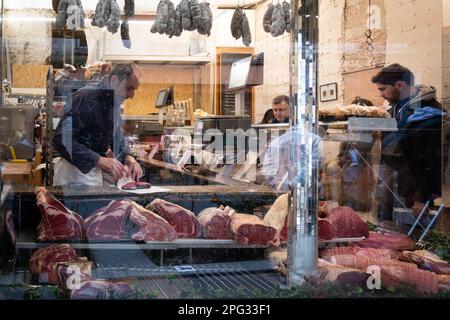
90, 125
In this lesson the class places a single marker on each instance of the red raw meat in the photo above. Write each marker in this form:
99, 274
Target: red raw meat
57, 222
326, 229
215, 223
184, 221
398, 242
82, 286
110, 222
368, 252
44, 261
328, 272
150, 225
427, 261
249, 229
347, 222
325, 207
125, 219
392, 271
134, 185
95, 289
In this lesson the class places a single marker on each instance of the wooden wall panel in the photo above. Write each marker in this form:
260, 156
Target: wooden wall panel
29, 75
157, 77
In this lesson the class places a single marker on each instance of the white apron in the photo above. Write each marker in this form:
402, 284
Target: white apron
66, 173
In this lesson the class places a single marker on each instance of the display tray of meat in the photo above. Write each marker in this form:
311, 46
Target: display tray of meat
136, 185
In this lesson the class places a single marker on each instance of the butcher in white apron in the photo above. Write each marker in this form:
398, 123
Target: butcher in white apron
90, 126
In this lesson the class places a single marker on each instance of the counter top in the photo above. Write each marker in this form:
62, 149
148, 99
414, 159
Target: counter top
216, 180
95, 192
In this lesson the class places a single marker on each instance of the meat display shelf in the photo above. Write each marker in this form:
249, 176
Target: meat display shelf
337, 240
26, 240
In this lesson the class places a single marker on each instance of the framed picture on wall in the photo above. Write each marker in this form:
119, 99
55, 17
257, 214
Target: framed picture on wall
328, 92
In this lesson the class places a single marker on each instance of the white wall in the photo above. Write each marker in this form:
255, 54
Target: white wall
276, 65
414, 38
446, 12
331, 37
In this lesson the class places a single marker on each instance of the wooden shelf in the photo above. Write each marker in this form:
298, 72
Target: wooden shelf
161, 59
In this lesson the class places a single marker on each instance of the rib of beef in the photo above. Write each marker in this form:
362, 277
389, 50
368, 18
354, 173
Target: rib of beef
125, 219
347, 222
249, 229
110, 222
215, 223
184, 221
44, 261
57, 222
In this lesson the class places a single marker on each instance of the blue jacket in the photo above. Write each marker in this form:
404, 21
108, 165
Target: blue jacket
90, 125
419, 138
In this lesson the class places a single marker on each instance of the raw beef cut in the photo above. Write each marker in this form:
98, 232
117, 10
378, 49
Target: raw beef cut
184, 221
249, 229
57, 222
125, 219
44, 261
71, 273
325, 207
347, 222
277, 216
81, 285
328, 272
392, 241
362, 262
135, 185
150, 225
392, 271
215, 223
427, 261
95, 289
368, 252
110, 222
326, 230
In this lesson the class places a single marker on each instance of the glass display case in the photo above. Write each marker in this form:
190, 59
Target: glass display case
208, 202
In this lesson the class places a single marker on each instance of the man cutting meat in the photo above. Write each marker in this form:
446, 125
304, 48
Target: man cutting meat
90, 126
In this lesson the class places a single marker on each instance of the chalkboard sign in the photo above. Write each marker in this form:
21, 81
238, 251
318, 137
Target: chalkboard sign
229, 106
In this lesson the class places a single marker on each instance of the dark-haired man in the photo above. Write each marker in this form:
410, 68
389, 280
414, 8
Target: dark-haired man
419, 120
90, 126
280, 107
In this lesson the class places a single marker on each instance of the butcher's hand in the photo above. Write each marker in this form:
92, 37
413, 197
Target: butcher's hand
113, 166
133, 167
